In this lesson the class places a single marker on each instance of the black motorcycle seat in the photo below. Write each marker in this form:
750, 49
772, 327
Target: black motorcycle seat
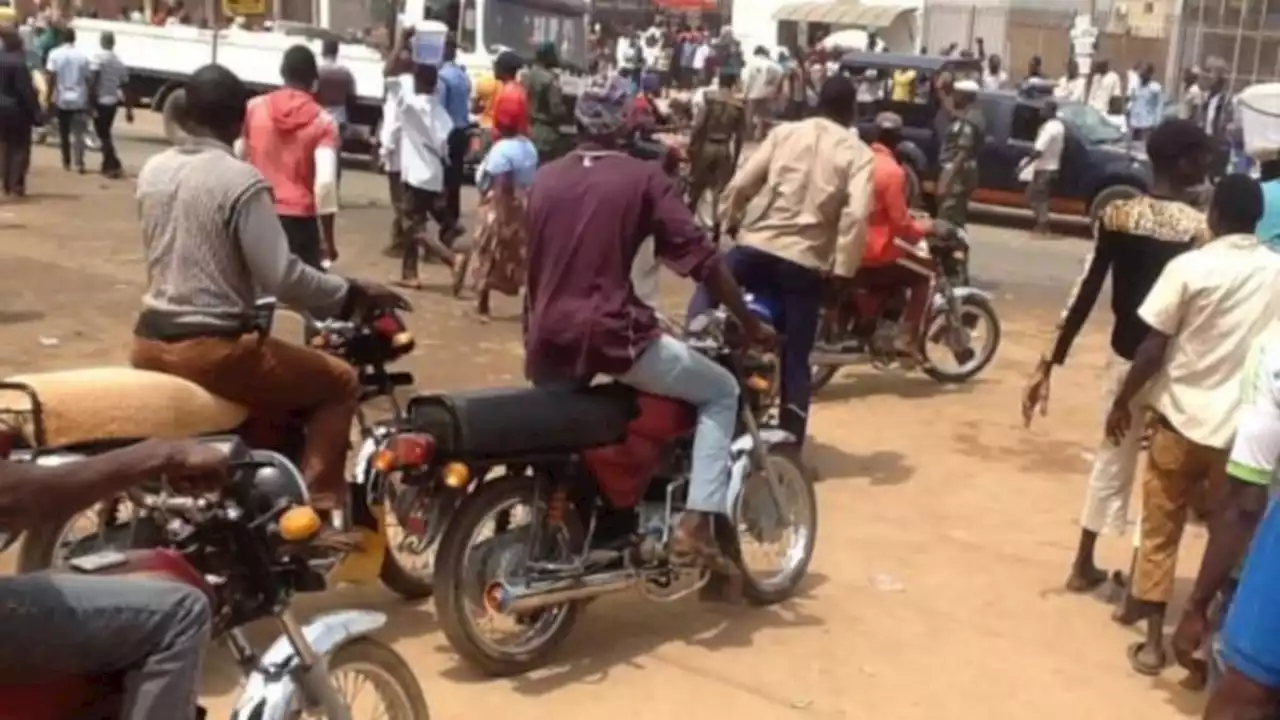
513, 422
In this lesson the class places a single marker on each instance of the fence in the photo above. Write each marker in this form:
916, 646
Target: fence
1018, 34
1243, 34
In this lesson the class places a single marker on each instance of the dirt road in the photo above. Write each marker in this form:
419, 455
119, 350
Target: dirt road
946, 528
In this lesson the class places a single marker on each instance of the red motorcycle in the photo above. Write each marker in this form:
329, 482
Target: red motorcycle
249, 549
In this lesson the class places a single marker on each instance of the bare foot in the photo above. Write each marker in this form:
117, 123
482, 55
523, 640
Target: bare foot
1083, 580
1129, 613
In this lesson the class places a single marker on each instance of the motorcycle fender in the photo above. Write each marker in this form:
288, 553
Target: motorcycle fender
740, 452
940, 303
269, 692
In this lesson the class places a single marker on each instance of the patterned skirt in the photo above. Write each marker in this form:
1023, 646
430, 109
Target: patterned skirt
500, 256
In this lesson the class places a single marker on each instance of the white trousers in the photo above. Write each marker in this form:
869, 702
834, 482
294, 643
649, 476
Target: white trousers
1106, 501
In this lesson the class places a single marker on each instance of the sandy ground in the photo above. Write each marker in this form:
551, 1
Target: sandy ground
946, 528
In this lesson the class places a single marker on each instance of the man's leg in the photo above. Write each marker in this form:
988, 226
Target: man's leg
8, 168
670, 368
21, 159
79, 124
65, 118
303, 234
1106, 501
453, 174
415, 228
66, 624
103, 124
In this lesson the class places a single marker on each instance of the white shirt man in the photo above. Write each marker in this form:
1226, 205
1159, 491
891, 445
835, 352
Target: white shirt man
701, 54
1050, 140
1070, 89
112, 75
424, 133
389, 131
1105, 87
69, 67
760, 78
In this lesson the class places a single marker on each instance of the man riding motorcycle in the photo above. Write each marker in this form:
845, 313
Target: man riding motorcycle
892, 260
62, 625
819, 176
212, 240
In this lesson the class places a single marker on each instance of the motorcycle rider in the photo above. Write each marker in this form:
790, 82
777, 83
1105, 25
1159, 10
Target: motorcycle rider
892, 260
58, 625
818, 174
211, 237
587, 215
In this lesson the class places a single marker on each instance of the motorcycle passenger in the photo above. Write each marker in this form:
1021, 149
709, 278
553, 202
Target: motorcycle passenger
818, 175
891, 260
61, 625
587, 215
211, 237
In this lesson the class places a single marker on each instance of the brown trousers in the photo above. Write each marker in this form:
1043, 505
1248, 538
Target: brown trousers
1181, 475
274, 379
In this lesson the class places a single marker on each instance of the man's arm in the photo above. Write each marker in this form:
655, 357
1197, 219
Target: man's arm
748, 181
27, 95
1147, 361
326, 160
30, 493
894, 199
1083, 296
351, 99
277, 271
851, 233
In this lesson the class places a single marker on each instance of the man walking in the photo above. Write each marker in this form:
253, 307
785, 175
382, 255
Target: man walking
715, 145
19, 112
294, 143
336, 92
961, 143
1043, 163
547, 110
68, 70
760, 80
455, 96
108, 83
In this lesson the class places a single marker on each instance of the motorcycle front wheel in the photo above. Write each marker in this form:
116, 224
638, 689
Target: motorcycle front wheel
950, 353
369, 663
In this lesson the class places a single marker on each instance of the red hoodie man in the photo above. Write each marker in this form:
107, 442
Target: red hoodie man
294, 143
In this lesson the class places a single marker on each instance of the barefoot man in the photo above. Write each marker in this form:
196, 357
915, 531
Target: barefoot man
1135, 238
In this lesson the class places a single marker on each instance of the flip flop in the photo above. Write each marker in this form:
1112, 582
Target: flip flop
1136, 663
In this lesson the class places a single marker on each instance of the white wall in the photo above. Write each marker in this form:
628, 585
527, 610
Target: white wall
753, 22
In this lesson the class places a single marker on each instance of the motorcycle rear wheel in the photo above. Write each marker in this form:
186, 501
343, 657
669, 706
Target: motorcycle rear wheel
453, 573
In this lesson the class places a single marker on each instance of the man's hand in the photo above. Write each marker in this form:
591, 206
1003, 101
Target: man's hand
193, 466
762, 334
1036, 396
1119, 420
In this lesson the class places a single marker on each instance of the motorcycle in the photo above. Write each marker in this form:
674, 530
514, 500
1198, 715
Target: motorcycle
249, 548
601, 475
862, 325
76, 413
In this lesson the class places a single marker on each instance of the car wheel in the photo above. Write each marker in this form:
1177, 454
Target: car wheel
1108, 195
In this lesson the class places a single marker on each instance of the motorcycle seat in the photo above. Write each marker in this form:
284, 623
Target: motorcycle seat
514, 422
109, 404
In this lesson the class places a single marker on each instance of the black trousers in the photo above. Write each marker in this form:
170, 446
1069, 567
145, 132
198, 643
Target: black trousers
453, 174
15, 159
304, 238
71, 129
104, 120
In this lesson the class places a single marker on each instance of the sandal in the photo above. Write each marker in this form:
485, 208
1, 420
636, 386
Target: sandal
1141, 667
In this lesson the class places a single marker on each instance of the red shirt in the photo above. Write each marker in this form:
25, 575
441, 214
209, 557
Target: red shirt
282, 131
889, 217
586, 225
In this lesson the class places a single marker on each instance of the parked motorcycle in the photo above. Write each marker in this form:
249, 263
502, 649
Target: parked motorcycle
594, 481
249, 549
62, 428
863, 325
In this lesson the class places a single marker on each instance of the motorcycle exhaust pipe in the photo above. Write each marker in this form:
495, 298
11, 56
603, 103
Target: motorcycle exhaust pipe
514, 599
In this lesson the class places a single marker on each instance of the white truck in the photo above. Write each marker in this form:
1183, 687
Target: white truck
161, 58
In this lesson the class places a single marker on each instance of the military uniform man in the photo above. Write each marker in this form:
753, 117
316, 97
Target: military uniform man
547, 109
961, 142
716, 144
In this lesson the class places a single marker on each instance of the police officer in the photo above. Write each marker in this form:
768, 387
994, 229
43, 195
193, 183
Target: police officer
961, 142
716, 143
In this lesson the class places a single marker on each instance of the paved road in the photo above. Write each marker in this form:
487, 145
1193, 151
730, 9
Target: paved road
946, 528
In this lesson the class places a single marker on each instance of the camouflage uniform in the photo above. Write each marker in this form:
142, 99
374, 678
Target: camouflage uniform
547, 112
716, 143
964, 136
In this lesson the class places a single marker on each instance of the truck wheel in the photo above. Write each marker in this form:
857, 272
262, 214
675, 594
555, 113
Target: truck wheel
174, 105
1108, 195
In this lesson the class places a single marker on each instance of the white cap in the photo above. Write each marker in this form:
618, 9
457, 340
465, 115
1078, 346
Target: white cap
966, 86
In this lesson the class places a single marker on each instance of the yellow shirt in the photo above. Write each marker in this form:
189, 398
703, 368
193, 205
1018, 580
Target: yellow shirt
486, 89
904, 85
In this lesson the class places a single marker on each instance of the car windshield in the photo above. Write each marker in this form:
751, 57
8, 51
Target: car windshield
1092, 125
522, 25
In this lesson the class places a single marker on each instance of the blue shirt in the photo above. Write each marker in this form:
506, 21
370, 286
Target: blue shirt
1146, 105
515, 155
1268, 230
455, 94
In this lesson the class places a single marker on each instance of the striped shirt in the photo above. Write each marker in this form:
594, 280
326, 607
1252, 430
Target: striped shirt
112, 75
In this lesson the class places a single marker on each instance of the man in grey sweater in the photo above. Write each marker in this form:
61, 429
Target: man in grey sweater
212, 241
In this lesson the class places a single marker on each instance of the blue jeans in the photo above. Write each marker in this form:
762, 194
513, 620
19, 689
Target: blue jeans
154, 632
797, 292
672, 369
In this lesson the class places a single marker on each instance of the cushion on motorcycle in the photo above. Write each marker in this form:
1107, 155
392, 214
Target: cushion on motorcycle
510, 422
114, 403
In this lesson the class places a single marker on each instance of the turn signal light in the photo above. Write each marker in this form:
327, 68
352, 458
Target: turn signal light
299, 524
758, 383
456, 475
401, 340
410, 450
